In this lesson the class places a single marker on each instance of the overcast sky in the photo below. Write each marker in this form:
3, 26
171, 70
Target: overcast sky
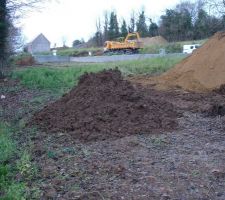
75, 19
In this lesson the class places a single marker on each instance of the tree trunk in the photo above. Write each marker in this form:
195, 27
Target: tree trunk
3, 36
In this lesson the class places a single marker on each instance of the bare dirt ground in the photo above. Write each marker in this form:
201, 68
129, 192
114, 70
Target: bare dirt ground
187, 163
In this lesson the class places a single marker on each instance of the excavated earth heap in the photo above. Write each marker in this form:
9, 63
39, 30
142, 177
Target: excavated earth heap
103, 106
203, 71
157, 40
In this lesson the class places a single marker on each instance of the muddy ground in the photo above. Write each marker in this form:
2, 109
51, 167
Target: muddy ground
187, 163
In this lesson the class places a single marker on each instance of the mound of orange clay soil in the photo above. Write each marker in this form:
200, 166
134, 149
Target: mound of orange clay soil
202, 71
157, 40
104, 106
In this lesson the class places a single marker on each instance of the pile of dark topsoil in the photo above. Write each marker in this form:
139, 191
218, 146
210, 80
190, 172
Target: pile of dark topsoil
103, 106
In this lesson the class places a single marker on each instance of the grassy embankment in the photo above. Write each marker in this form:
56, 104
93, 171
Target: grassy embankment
63, 78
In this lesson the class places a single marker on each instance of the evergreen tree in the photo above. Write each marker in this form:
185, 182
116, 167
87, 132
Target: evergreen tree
3, 34
153, 29
185, 30
131, 27
98, 38
176, 26
117, 30
141, 25
124, 30
106, 27
215, 24
207, 25
168, 25
77, 43
201, 27
223, 22
113, 27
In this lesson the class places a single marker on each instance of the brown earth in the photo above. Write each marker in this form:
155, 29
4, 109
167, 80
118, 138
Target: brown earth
25, 61
103, 106
158, 40
186, 163
202, 71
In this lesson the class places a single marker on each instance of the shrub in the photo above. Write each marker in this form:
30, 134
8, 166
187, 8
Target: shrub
174, 48
23, 59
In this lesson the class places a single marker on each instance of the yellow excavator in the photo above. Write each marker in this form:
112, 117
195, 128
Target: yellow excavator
130, 45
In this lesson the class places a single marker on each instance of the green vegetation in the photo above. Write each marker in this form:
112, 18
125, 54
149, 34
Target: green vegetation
175, 47
25, 167
148, 66
7, 147
63, 78
75, 52
10, 189
53, 79
201, 42
169, 48
16, 167
22, 59
78, 52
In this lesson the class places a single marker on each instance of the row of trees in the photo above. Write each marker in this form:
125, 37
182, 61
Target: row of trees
109, 28
187, 21
190, 21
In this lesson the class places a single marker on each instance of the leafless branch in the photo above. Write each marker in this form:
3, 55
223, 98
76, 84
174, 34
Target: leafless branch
216, 6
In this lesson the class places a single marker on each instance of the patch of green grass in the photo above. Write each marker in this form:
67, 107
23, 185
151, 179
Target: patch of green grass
7, 147
60, 79
52, 78
9, 188
26, 168
15, 191
152, 49
148, 66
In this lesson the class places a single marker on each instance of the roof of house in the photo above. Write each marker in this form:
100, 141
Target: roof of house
41, 34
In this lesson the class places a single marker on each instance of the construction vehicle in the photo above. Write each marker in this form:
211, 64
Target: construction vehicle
130, 45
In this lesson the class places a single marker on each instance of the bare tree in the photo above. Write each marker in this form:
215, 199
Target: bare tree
10, 11
106, 26
98, 34
216, 6
192, 8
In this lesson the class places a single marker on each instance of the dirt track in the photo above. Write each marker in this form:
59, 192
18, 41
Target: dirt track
187, 163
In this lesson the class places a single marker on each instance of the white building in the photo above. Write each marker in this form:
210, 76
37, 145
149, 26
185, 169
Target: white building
39, 44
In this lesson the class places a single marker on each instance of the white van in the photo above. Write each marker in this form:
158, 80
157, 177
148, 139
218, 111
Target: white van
190, 48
